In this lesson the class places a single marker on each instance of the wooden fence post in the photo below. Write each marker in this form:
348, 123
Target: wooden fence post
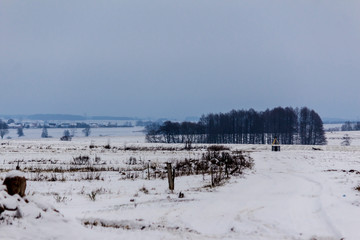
212, 176
171, 176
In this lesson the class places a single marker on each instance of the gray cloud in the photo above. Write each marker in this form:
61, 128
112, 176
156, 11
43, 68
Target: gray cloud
178, 58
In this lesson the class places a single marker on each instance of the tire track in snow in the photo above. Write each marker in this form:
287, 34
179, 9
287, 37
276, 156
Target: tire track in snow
282, 172
321, 210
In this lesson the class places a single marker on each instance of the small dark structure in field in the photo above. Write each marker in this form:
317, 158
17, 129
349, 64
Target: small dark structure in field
275, 145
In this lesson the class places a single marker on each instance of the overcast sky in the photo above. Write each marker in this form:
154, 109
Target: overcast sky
174, 59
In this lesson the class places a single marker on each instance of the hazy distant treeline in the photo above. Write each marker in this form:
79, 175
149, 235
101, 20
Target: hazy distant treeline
290, 126
350, 126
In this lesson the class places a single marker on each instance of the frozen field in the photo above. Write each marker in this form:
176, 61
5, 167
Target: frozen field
298, 193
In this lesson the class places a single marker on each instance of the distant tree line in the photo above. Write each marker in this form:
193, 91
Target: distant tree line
350, 126
288, 125
4, 130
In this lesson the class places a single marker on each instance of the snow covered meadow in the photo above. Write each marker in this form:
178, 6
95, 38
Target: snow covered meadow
302, 192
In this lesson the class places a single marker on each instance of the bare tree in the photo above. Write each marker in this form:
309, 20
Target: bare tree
66, 133
4, 129
44, 133
66, 136
347, 126
356, 126
20, 132
87, 131
73, 132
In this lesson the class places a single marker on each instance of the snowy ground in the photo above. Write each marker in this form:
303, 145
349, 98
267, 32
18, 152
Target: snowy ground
298, 193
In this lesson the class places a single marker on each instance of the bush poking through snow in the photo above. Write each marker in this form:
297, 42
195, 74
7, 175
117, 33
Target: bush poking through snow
59, 198
44, 176
219, 164
92, 176
53, 178
346, 140
144, 190
92, 195
357, 188
92, 145
65, 138
227, 162
81, 160
132, 161
97, 160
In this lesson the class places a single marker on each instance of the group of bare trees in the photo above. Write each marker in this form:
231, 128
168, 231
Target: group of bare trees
350, 126
4, 130
67, 135
288, 125
311, 130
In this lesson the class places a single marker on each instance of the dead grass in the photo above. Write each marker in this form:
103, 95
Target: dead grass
217, 148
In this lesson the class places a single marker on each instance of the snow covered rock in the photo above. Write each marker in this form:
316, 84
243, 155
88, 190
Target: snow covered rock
24, 213
27, 210
15, 183
7, 202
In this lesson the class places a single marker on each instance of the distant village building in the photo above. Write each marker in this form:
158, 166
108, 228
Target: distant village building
15, 125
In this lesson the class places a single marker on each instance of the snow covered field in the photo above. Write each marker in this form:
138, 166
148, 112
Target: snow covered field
298, 193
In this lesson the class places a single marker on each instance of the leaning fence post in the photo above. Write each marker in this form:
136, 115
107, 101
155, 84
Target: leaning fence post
212, 176
171, 176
